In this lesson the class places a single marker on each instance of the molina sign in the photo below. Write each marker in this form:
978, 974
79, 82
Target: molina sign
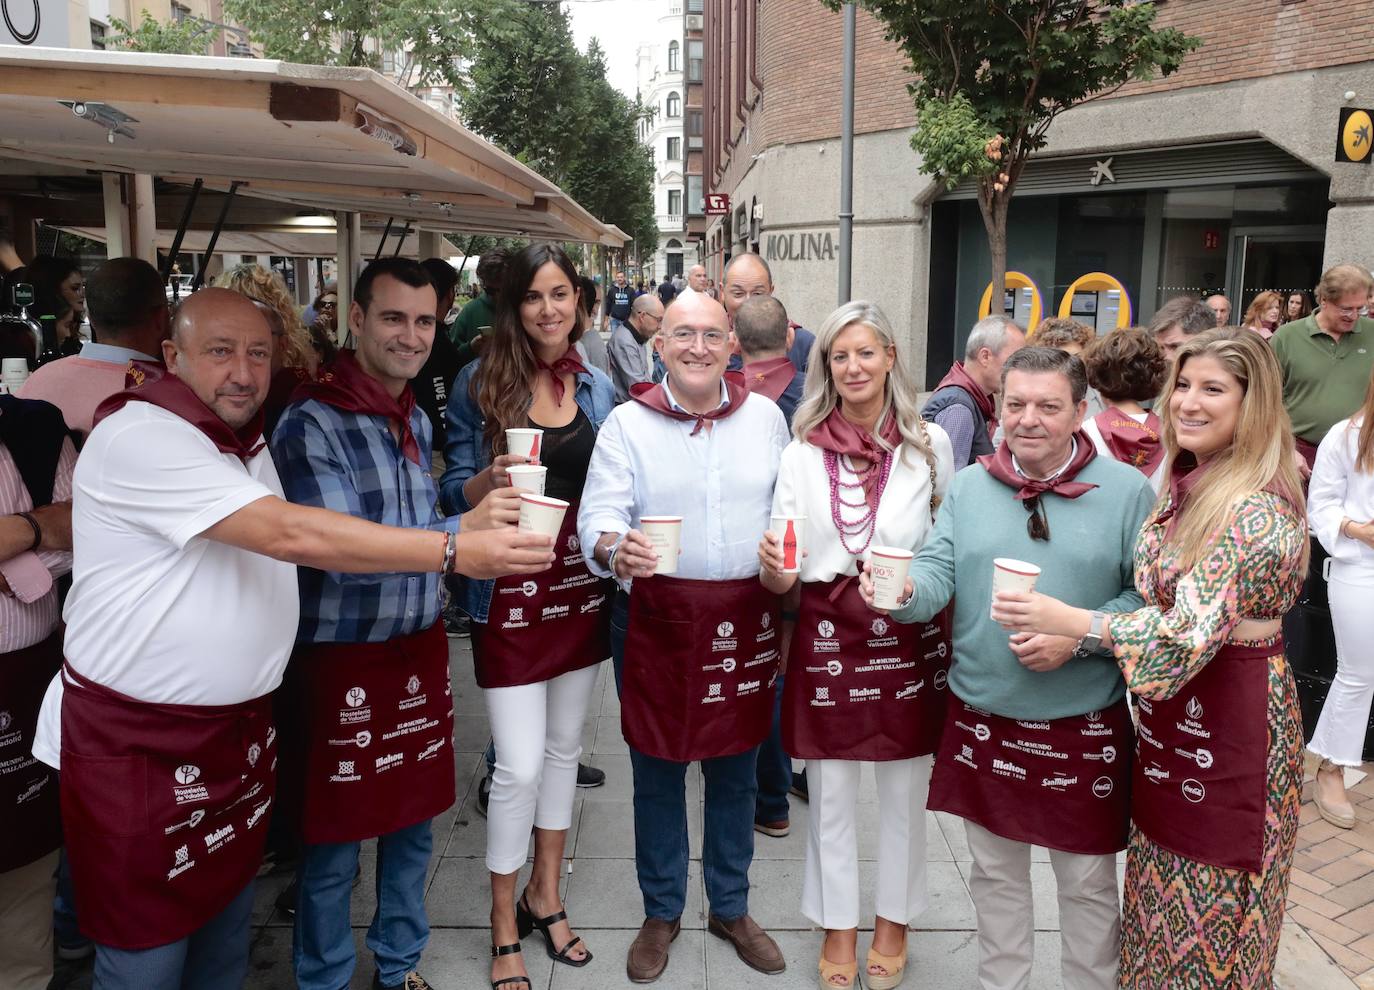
800, 246
1356, 132
34, 22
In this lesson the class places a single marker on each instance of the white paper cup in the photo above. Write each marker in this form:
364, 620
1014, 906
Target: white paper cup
1009, 574
14, 372
665, 533
791, 530
541, 514
888, 568
525, 443
529, 477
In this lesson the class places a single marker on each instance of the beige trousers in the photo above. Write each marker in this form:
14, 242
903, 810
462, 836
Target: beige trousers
1089, 914
26, 897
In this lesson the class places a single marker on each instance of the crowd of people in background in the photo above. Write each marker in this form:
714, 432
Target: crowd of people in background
268, 519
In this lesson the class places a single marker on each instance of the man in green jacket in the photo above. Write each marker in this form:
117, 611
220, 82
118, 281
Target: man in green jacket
1037, 743
479, 316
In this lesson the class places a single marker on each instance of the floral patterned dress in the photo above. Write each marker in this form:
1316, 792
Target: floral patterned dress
1186, 923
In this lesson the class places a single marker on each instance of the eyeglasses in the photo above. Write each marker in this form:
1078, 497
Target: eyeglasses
713, 339
327, 305
1347, 310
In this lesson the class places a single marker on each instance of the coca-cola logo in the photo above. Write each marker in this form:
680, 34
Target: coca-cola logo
1103, 787
1193, 790
941, 679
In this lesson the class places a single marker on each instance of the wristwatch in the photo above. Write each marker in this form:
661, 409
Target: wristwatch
1091, 644
610, 554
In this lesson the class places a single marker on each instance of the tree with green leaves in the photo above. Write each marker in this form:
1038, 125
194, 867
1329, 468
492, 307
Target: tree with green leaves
991, 76
189, 36
430, 37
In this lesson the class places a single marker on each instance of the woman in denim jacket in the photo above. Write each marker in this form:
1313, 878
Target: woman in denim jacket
536, 643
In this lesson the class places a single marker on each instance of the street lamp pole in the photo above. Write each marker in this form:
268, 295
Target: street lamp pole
847, 158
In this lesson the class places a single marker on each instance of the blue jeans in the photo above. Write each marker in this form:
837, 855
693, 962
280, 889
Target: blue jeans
214, 957
64, 923
774, 770
322, 948
660, 803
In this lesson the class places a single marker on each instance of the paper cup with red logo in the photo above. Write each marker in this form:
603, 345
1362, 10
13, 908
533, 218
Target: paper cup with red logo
529, 477
1009, 574
791, 530
665, 533
525, 443
541, 514
887, 569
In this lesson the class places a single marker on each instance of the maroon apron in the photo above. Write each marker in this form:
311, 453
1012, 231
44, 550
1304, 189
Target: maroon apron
1063, 784
31, 825
859, 685
1201, 769
166, 809
547, 624
701, 662
378, 735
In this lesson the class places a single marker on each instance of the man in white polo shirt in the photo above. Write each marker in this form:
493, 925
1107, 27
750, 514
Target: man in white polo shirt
181, 617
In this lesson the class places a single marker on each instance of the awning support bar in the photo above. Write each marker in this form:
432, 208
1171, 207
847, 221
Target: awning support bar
400, 243
214, 235
181, 230
385, 234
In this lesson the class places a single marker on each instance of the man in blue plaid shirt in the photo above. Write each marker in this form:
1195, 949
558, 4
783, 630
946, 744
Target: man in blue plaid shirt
369, 674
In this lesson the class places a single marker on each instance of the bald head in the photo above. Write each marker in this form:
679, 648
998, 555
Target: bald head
696, 278
696, 310
747, 276
221, 348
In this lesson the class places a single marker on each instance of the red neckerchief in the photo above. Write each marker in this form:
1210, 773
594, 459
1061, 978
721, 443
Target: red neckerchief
1133, 443
1184, 474
150, 381
843, 438
568, 364
1000, 467
344, 385
656, 398
769, 377
960, 378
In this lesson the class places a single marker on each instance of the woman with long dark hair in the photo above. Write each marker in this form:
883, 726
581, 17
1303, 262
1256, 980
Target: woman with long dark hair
536, 644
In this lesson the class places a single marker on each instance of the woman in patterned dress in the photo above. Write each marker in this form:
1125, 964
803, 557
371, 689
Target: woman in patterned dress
1218, 773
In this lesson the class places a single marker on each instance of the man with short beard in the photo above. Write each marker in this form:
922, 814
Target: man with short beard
1037, 743
179, 624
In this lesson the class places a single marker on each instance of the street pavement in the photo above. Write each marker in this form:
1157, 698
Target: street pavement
1332, 892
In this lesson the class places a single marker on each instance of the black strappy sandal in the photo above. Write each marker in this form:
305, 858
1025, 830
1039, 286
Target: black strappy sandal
509, 950
526, 922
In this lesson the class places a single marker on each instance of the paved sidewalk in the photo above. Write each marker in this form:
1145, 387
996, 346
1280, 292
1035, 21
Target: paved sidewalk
1332, 892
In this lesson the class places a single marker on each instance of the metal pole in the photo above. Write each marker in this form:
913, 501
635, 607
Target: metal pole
402, 242
847, 157
214, 236
181, 233
385, 234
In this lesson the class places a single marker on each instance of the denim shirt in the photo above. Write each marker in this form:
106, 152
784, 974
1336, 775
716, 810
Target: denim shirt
466, 453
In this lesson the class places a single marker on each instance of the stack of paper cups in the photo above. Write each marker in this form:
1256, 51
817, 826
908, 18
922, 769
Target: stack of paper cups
525, 443
665, 533
888, 568
1013, 575
792, 531
541, 514
529, 477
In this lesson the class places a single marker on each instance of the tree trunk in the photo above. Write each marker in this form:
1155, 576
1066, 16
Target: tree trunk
993, 206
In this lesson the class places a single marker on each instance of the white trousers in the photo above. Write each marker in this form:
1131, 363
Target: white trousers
830, 884
537, 729
1339, 736
1089, 914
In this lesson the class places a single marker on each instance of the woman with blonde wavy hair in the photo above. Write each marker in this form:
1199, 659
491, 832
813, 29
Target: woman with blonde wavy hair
1217, 785
294, 359
865, 471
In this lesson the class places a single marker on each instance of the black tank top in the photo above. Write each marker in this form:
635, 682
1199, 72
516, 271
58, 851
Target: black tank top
566, 452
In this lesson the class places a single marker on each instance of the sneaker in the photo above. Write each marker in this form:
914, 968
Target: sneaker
590, 776
75, 951
483, 795
457, 624
799, 785
411, 981
778, 830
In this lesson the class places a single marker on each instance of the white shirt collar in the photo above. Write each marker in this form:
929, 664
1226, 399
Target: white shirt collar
1073, 452
724, 397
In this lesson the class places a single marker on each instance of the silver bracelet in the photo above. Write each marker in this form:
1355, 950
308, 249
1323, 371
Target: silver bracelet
611, 552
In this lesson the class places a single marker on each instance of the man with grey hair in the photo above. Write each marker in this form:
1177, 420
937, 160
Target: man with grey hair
963, 404
1220, 307
696, 281
1177, 320
630, 349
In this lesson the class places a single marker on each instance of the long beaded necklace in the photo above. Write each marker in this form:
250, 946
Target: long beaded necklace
866, 524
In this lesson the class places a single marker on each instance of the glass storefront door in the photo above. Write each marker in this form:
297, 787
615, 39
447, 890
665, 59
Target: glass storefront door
1278, 259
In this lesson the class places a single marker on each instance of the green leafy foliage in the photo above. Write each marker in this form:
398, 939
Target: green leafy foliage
187, 37
990, 76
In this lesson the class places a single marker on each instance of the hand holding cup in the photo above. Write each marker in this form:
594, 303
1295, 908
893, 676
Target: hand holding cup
500, 508
868, 592
499, 465
635, 557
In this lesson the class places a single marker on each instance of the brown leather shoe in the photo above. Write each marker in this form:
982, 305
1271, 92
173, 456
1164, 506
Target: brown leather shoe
752, 944
649, 951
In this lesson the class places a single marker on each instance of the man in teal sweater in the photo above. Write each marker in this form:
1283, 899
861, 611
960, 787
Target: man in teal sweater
1037, 742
